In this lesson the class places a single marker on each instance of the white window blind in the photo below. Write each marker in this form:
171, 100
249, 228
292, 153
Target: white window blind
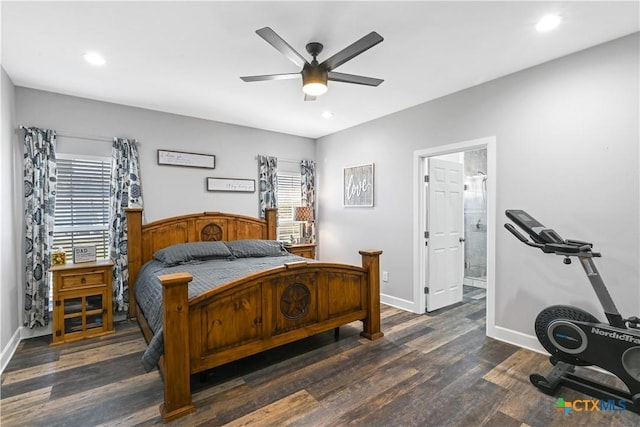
289, 197
82, 205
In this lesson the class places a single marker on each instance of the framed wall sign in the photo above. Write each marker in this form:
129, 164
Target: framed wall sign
84, 253
358, 186
231, 184
180, 158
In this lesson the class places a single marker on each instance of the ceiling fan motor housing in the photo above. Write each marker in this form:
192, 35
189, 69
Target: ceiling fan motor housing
313, 73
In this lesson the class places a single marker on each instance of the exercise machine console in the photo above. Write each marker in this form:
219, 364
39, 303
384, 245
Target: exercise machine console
575, 337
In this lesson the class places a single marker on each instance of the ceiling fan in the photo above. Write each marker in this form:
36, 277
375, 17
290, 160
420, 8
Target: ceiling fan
315, 75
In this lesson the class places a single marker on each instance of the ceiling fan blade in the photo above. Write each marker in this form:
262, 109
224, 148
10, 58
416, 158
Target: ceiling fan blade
270, 77
282, 46
309, 97
350, 78
352, 51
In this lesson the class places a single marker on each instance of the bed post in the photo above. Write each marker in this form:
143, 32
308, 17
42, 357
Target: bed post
175, 321
134, 251
371, 325
272, 223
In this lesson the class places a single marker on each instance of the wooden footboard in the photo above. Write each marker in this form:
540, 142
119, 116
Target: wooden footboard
252, 314
260, 312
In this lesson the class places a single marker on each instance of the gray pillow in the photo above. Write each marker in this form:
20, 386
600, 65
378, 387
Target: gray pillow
256, 248
194, 251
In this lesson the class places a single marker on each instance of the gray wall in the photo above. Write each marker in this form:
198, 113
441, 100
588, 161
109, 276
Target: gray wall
567, 151
10, 221
166, 190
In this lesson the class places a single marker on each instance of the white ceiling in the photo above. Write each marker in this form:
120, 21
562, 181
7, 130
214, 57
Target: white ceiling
186, 57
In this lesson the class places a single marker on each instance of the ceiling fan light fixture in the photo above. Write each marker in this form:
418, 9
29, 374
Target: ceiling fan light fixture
314, 88
314, 81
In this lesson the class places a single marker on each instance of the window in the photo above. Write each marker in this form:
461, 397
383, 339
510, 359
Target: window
289, 197
82, 204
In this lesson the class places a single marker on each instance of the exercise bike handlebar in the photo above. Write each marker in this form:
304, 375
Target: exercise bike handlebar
520, 237
547, 240
571, 247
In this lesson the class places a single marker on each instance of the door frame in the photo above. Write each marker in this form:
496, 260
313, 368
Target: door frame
419, 260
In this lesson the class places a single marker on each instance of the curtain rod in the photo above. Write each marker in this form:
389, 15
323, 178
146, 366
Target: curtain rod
286, 160
65, 134
73, 135
70, 135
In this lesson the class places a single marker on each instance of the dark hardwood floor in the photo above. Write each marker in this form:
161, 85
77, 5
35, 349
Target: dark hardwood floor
428, 370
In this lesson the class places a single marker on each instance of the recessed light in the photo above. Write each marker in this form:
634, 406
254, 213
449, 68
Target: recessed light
327, 114
94, 58
548, 23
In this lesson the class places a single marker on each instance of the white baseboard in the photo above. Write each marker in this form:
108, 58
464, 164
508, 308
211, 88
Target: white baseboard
9, 350
399, 303
516, 338
20, 334
26, 333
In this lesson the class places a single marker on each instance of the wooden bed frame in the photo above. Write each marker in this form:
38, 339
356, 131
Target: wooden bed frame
249, 315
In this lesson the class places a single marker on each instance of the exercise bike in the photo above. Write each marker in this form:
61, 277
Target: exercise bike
574, 337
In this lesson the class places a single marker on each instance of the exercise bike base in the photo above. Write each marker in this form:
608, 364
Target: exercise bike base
562, 374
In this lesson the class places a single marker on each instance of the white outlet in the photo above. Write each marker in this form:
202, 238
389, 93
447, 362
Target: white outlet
385, 276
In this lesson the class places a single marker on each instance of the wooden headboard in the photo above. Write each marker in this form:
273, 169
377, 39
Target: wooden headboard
145, 240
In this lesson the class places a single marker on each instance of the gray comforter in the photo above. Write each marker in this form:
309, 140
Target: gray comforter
206, 275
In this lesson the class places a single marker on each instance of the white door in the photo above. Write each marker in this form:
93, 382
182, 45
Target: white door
445, 237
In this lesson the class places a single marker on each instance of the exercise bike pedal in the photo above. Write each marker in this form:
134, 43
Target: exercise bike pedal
540, 381
550, 383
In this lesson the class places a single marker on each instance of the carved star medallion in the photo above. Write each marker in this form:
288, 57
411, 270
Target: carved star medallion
211, 232
295, 301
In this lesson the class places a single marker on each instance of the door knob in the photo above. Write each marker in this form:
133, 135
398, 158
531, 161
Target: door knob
461, 240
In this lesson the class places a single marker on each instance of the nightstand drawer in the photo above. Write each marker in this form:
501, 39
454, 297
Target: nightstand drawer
86, 278
307, 250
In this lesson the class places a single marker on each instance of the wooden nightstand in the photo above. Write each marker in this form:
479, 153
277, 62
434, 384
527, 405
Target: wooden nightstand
307, 250
82, 306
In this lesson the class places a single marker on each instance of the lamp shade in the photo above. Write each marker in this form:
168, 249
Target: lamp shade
303, 213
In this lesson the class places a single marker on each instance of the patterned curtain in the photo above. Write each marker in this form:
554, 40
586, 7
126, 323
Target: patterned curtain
125, 192
308, 173
39, 209
268, 174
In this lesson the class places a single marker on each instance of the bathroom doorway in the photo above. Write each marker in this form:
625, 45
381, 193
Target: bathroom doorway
475, 218
481, 269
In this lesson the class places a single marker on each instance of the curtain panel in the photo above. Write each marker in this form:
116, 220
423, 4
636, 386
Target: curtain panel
126, 191
308, 181
268, 183
39, 209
